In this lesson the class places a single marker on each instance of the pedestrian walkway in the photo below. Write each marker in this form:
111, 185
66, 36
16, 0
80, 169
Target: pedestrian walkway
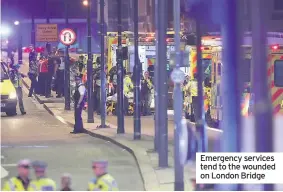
155, 178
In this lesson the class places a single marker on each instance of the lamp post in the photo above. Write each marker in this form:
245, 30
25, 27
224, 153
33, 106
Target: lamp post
20, 51
89, 65
137, 72
102, 70
67, 66
120, 73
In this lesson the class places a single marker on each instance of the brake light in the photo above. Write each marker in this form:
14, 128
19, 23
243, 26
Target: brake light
275, 47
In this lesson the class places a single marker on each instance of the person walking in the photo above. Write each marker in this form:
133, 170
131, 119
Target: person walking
16, 78
79, 100
20, 182
33, 72
42, 182
103, 181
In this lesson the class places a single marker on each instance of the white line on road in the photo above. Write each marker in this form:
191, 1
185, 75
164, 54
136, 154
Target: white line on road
24, 146
9, 165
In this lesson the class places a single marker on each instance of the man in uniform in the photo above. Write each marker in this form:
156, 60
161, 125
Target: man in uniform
79, 99
103, 180
41, 183
66, 182
128, 88
16, 78
33, 72
21, 182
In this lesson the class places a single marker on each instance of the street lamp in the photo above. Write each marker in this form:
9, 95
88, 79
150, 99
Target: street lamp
89, 64
85, 2
20, 51
16, 22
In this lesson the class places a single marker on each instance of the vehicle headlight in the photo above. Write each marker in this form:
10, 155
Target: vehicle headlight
13, 95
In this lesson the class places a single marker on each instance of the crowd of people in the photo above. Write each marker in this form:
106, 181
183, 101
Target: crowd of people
102, 181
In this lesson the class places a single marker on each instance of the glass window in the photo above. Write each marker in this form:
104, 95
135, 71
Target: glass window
206, 63
278, 5
278, 73
219, 69
214, 70
246, 72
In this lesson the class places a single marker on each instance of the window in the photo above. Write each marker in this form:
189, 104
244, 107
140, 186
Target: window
214, 71
278, 5
278, 73
219, 69
206, 64
246, 72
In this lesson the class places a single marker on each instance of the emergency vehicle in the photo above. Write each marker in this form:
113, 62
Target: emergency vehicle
274, 73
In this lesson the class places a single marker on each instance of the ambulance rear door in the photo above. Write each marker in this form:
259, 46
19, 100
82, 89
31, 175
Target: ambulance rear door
275, 77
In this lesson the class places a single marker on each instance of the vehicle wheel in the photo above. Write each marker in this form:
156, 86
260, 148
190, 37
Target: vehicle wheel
11, 112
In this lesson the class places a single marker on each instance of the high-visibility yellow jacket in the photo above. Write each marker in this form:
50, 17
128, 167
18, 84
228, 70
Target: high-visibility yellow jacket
42, 184
103, 183
13, 184
128, 85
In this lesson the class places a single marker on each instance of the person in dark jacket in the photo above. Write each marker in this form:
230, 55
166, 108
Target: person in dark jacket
33, 72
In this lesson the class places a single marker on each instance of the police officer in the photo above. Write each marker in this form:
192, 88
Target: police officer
128, 88
21, 182
79, 99
103, 181
16, 78
41, 183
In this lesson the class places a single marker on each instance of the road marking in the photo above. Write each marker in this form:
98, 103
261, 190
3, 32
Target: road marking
9, 165
24, 146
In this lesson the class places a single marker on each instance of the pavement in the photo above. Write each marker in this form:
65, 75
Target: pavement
40, 136
154, 177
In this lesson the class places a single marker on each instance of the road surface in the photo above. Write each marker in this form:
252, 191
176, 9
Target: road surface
39, 136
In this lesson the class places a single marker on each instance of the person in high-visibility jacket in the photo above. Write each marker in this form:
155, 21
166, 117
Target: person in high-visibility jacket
128, 91
192, 88
21, 182
103, 180
42, 182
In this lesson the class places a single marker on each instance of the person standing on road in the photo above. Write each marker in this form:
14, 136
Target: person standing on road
103, 181
146, 93
41, 183
16, 78
193, 91
43, 71
79, 99
21, 182
33, 72
60, 75
50, 75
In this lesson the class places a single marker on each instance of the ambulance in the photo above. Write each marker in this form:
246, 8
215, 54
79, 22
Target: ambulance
208, 44
274, 73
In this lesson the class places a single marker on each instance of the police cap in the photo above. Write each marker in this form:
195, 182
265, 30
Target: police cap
39, 165
24, 162
101, 163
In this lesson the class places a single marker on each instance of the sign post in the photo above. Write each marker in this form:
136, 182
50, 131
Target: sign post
46, 33
67, 37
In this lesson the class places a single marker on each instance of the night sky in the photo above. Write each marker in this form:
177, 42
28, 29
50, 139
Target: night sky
18, 9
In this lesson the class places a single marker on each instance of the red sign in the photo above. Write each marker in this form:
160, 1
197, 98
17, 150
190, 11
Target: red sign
67, 36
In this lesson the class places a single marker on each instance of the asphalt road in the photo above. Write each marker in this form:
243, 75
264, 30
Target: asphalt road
39, 136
